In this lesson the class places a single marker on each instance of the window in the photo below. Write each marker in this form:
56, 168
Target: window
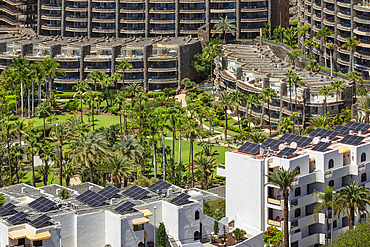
332, 107
297, 212
21, 241
335, 224
299, 170
138, 227
197, 215
297, 191
363, 157
37, 243
363, 177
331, 183
331, 163
197, 236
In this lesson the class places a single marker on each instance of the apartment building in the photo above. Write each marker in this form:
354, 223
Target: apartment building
17, 13
96, 216
157, 63
324, 157
250, 69
345, 18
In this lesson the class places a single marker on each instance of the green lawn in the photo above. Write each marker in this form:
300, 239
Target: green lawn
28, 178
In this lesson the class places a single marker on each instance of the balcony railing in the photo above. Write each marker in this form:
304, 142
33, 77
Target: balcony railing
274, 223
274, 201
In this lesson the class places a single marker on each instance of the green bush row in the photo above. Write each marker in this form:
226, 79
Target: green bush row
230, 127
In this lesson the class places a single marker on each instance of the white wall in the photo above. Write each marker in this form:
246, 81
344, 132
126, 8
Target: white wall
68, 228
112, 229
90, 228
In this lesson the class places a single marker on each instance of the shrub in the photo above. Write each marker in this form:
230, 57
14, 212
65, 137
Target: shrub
63, 194
272, 237
215, 227
239, 234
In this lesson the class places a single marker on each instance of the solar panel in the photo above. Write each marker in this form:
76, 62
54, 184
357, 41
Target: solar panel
250, 148
180, 199
40, 220
301, 141
135, 192
321, 146
352, 139
42, 204
272, 143
109, 192
364, 129
343, 130
286, 152
324, 133
4, 210
17, 218
351, 124
159, 185
91, 198
124, 207
355, 126
286, 137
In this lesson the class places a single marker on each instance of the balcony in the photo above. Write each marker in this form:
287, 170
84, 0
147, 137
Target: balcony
10, 11
50, 6
160, 10
104, 9
344, 15
161, 1
253, 9
344, 27
274, 201
132, 10
104, 30
95, 58
192, 1
133, 20
104, 19
50, 27
133, 30
78, 8
51, 17
250, 30
77, 18
221, 170
317, 238
192, 10
344, 3
362, 31
361, 8
310, 220
190, 21
14, 2
315, 177
362, 19
231, 10
161, 21
132, 1
76, 29
217, 19
274, 223
161, 31
329, 11
188, 31
89, 69
103, 1
255, 19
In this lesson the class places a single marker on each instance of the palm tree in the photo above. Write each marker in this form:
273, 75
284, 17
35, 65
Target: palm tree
153, 129
224, 102
162, 117
319, 121
32, 148
123, 66
51, 66
181, 128
43, 110
284, 179
19, 64
268, 94
224, 26
364, 106
302, 30
210, 51
95, 77
351, 199
351, 46
69, 171
17, 152
238, 98
81, 87
192, 132
133, 89
290, 74
207, 165
91, 149
118, 166
297, 82
326, 199
47, 155
325, 91
253, 102
38, 76
14, 79
331, 46
173, 123
354, 77
293, 56
23, 77
337, 87
115, 78
61, 133
140, 97
8, 133
309, 43
323, 34
120, 102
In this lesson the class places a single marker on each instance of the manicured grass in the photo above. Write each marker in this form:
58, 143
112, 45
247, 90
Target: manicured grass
28, 178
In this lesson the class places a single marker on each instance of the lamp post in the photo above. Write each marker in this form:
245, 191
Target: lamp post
332, 216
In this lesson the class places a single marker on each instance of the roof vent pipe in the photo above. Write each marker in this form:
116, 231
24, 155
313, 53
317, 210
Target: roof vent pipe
24, 191
91, 188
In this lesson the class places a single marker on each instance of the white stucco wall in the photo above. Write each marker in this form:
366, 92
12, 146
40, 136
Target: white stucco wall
90, 229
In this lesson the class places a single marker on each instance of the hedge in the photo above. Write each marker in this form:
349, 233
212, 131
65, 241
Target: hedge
230, 127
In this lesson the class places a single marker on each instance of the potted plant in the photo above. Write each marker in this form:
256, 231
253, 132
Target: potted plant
222, 241
213, 240
239, 234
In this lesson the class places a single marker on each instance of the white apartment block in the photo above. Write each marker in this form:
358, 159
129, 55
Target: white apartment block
96, 216
324, 157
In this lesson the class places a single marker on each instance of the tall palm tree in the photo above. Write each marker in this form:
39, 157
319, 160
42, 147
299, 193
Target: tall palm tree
181, 128
210, 51
118, 166
331, 47
153, 129
47, 155
33, 147
237, 98
120, 101
207, 165
51, 66
19, 64
297, 83
14, 79
91, 149
141, 97
17, 152
354, 77
162, 117
290, 74
268, 94
8, 134
309, 43
224, 102
284, 179
337, 87
253, 101
172, 124
81, 87
123, 66
95, 77
115, 78
351, 45
351, 199
43, 110
69, 172
302, 30
133, 89
61, 134
38, 76
364, 106
326, 199
224, 26
192, 132
325, 91
323, 34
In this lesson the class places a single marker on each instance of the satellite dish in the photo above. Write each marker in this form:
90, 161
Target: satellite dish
281, 146
293, 145
316, 140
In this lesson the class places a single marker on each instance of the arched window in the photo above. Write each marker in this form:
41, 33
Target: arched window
363, 157
197, 236
141, 244
197, 215
297, 191
331, 163
299, 170
363, 177
331, 183
297, 212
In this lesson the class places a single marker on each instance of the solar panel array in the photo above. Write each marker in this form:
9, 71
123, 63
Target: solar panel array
42, 204
343, 130
18, 217
355, 126
7, 208
301, 141
91, 198
272, 143
109, 191
124, 207
159, 185
250, 148
135, 192
180, 199
286, 152
323, 133
352, 139
321, 146
40, 220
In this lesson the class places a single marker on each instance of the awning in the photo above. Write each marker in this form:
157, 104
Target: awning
312, 159
39, 236
343, 149
140, 221
17, 234
146, 212
145, 235
273, 165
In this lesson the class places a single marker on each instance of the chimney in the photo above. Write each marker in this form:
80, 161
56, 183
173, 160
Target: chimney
24, 190
169, 191
57, 191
